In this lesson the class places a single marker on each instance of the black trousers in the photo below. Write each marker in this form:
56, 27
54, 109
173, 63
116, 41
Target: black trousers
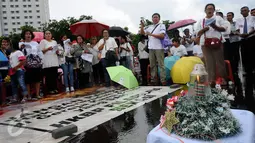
143, 65
83, 79
231, 53
51, 75
248, 50
98, 73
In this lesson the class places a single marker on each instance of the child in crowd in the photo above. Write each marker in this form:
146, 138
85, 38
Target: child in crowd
197, 51
17, 73
177, 49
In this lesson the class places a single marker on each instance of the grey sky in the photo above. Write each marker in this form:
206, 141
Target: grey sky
128, 12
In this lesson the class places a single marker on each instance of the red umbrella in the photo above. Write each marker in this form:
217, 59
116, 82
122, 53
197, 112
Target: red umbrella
38, 36
88, 28
181, 23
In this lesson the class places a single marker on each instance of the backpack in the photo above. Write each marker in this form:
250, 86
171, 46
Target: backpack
33, 61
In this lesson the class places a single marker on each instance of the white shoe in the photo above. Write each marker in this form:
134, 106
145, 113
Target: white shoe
67, 89
72, 89
24, 100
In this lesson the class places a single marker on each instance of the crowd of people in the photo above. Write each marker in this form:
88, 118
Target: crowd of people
32, 63
217, 38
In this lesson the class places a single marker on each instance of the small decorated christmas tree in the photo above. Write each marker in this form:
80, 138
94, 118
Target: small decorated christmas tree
204, 113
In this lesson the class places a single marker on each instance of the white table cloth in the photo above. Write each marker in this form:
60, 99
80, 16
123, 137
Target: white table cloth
245, 118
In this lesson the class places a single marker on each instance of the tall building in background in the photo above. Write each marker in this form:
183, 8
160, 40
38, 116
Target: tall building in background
17, 13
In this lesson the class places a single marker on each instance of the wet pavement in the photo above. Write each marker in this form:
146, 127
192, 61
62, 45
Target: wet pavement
131, 127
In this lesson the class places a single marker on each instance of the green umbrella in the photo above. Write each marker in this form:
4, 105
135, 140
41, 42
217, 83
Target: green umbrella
123, 76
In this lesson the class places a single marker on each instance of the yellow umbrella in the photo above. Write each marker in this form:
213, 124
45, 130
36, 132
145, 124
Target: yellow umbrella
181, 70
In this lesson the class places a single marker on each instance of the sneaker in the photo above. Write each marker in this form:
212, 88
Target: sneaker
163, 83
72, 89
24, 99
67, 89
29, 98
55, 91
12, 101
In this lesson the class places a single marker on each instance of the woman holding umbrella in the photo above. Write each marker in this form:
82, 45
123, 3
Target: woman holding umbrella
109, 53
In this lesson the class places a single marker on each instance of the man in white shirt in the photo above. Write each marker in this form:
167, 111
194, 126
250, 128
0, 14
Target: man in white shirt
253, 12
245, 27
177, 49
103, 46
231, 53
156, 33
188, 42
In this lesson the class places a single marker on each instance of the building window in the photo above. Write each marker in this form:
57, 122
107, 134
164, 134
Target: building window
3, 6
39, 28
16, 5
14, 29
5, 29
24, 5
3, 0
38, 17
16, 0
17, 17
18, 23
4, 12
25, 11
36, 0
11, 0
29, 5
37, 5
28, 0
39, 22
30, 11
13, 23
26, 23
25, 17
17, 11
5, 17
13, 17
30, 16
24, 0
5, 23
12, 11
37, 11
31, 22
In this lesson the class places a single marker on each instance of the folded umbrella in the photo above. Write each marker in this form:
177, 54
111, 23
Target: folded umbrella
122, 76
3, 60
116, 31
181, 70
169, 63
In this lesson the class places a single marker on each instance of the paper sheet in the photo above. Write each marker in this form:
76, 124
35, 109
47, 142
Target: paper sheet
87, 57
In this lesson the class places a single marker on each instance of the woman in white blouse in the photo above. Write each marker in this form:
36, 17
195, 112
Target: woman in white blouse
33, 63
49, 48
210, 30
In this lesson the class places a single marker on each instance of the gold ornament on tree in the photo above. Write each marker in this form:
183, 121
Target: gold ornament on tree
169, 120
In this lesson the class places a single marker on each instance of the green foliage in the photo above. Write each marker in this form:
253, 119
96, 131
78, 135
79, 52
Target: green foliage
62, 27
205, 117
28, 27
135, 40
